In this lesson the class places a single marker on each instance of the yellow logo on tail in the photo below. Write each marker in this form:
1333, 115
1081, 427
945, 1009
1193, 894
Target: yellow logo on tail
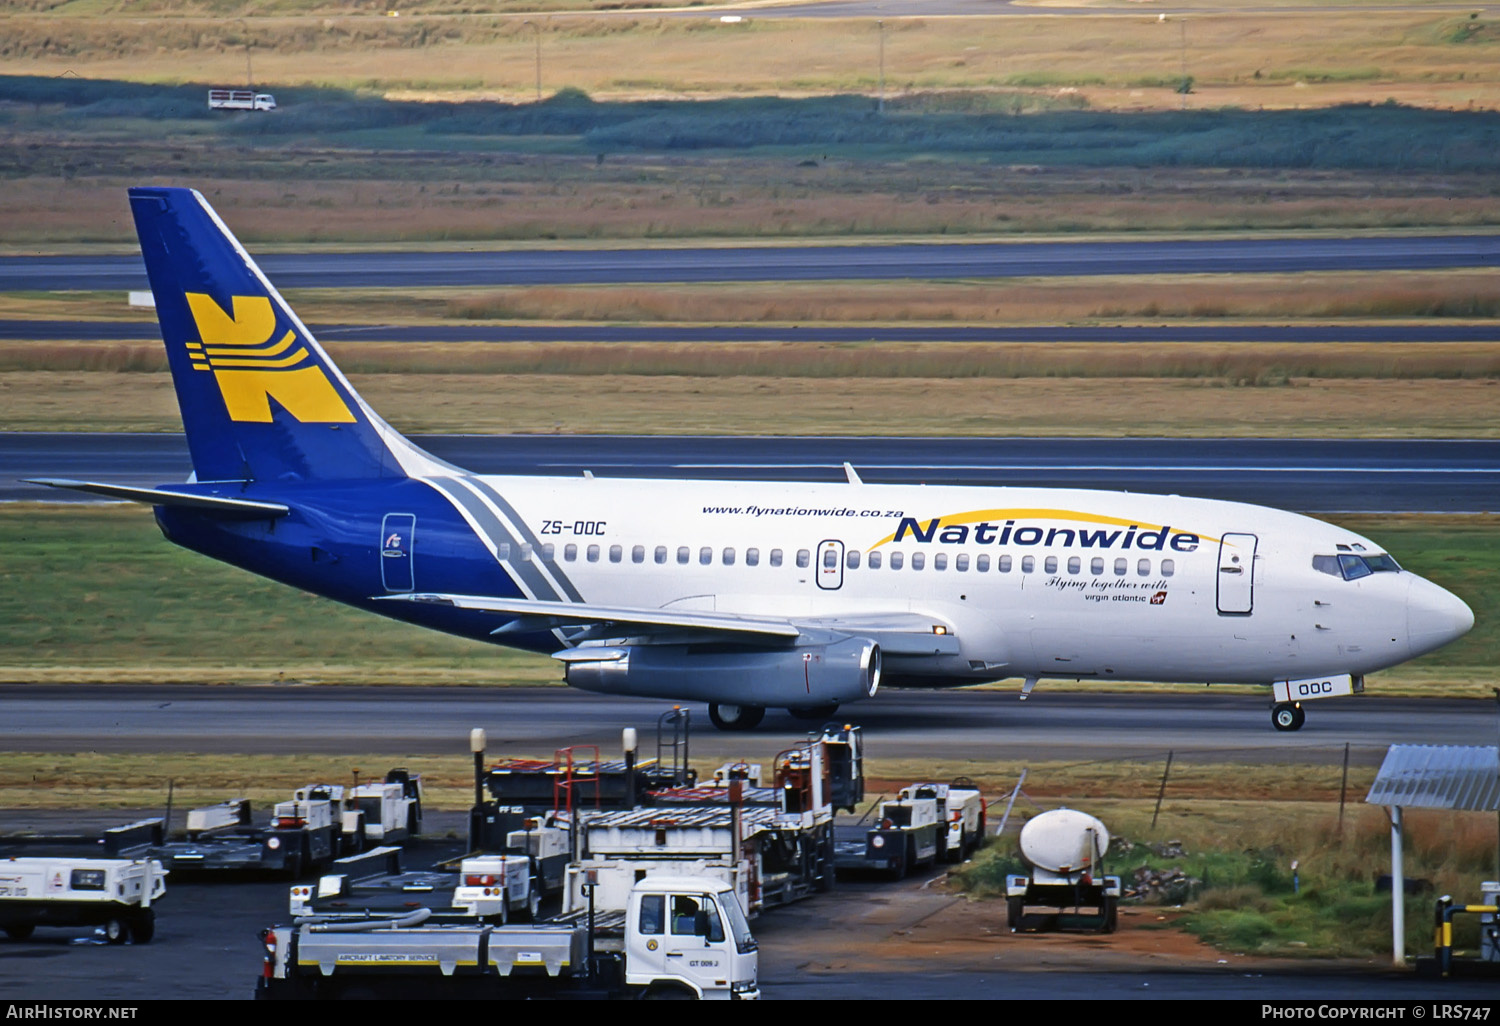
252, 369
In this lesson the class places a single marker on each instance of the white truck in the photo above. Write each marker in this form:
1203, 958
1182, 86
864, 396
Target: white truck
240, 99
684, 937
389, 812
114, 894
1065, 850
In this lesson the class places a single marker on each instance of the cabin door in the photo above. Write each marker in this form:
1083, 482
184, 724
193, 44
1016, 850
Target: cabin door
396, 532
1237, 574
830, 565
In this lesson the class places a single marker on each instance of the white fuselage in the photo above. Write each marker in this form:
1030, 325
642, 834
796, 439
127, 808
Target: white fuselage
1032, 582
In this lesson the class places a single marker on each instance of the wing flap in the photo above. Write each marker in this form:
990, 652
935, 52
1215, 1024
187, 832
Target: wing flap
580, 614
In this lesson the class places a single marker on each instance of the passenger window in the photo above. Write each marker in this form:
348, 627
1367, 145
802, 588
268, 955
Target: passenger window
570, 552
549, 551
660, 555
804, 558
1050, 564
1143, 568
940, 561
981, 564
752, 557
616, 553
775, 557
526, 552
592, 554
1121, 565
1003, 564
638, 553
852, 559
1028, 564
961, 562
1168, 567
502, 551
874, 561
706, 555
896, 559
729, 556
1096, 565
1074, 564
683, 555
831, 559
918, 560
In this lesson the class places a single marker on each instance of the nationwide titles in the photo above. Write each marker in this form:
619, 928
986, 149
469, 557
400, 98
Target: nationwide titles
1108, 533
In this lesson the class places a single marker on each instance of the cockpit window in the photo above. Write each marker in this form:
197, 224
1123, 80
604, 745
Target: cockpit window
1351, 567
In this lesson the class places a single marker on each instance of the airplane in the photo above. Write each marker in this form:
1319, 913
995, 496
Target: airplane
743, 595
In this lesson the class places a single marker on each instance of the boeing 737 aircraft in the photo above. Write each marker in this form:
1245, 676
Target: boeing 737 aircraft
742, 595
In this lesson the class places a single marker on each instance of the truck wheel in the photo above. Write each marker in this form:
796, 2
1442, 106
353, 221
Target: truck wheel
534, 905
116, 930
143, 926
20, 931
1015, 909
898, 869
736, 717
1111, 915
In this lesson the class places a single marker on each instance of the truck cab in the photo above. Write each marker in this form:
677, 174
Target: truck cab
690, 933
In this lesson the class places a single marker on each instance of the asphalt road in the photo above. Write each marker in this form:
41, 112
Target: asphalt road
1195, 723
798, 263
1314, 476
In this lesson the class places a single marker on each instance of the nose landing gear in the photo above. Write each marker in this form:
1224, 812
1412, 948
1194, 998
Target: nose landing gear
1288, 716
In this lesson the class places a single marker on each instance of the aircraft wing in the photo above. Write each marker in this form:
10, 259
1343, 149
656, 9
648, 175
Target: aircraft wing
897, 633
245, 508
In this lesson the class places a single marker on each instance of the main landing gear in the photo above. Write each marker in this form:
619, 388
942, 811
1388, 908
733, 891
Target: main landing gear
736, 717
1288, 716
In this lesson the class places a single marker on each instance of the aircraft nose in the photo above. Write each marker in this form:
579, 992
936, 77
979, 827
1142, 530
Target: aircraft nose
1434, 616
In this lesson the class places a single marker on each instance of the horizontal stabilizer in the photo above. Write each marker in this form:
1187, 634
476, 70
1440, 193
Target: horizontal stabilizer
237, 508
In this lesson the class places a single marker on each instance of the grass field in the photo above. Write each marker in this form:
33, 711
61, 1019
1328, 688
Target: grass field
822, 405
95, 594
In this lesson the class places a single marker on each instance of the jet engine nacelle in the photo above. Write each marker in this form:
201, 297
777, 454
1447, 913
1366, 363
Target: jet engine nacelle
808, 675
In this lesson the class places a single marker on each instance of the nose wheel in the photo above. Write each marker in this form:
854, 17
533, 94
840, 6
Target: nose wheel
1288, 716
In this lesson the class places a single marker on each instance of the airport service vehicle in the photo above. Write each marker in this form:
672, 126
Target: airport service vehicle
304, 833
1065, 849
114, 894
960, 815
905, 838
743, 595
240, 99
489, 887
389, 812
773, 845
685, 937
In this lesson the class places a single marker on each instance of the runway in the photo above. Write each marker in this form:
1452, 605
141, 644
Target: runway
1197, 724
796, 263
1312, 476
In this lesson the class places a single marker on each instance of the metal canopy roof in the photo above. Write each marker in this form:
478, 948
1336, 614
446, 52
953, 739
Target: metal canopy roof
1438, 777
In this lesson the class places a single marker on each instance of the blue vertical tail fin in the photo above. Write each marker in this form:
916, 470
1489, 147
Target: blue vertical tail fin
260, 399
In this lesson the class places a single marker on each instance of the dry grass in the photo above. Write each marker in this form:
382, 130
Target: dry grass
68, 191
1227, 364
1250, 59
39, 401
